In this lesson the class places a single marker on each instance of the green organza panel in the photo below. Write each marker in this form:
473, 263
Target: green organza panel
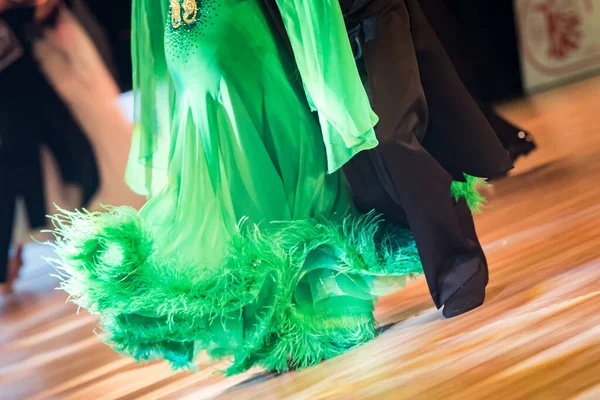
154, 97
325, 62
322, 51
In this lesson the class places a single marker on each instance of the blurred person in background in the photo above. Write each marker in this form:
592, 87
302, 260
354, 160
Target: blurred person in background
116, 21
99, 36
20, 158
476, 64
492, 43
32, 115
76, 58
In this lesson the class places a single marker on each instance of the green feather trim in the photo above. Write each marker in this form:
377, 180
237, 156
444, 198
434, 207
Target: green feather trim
287, 295
468, 190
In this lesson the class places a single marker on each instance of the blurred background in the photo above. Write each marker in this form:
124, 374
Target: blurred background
66, 118
65, 68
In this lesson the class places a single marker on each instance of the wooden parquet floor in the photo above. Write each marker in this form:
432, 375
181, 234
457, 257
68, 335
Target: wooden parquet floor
537, 336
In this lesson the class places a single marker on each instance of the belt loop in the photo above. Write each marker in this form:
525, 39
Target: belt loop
369, 29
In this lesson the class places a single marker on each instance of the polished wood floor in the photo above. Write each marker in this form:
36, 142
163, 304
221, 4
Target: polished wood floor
537, 337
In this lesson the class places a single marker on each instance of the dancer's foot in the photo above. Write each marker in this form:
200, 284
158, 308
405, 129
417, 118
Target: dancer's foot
518, 147
522, 146
470, 296
14, 268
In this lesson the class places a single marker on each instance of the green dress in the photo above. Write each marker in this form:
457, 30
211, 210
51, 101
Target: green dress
248, 247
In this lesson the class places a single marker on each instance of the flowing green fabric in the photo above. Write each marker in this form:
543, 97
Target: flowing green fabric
323, 57
247, 248
326, 64
150, 146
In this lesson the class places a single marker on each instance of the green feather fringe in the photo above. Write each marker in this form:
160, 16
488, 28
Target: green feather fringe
468, 190
256, 308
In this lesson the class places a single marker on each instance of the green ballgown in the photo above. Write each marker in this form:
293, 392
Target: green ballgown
249, 247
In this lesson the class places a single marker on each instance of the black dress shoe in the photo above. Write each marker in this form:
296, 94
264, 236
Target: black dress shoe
521, 146
518, 148
470, 296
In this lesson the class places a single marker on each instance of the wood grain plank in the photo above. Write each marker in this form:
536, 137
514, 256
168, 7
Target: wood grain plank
537, 336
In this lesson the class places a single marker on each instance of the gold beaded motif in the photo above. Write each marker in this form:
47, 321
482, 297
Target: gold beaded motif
190, 12
175, 14
187, 22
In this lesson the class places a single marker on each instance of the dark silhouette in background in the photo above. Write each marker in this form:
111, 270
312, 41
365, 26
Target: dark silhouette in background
32, 115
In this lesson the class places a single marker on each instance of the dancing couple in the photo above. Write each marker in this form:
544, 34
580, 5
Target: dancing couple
300, 159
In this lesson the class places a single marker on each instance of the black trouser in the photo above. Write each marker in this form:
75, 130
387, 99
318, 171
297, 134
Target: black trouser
430, 132
408, 177
478, 70
491, 29
20, 176
66, 141
32, 114
30, 97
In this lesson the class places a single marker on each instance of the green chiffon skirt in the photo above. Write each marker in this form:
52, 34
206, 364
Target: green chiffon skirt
250, 251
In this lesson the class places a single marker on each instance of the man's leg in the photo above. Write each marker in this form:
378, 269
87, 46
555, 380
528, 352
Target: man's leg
411, 176
459, 135
7, 214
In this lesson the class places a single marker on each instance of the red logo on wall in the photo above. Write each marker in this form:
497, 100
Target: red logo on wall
555, 35
563, 27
